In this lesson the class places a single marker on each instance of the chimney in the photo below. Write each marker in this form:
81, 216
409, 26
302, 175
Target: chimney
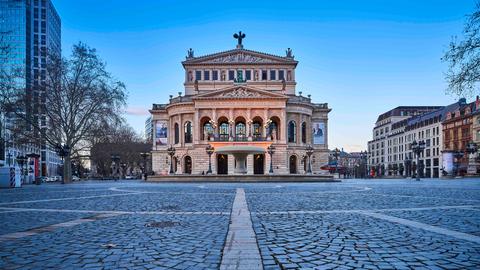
477, 103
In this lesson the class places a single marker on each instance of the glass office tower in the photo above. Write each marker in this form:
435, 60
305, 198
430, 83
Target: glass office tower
30, 30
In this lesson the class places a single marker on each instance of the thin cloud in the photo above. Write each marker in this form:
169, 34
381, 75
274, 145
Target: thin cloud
138, 111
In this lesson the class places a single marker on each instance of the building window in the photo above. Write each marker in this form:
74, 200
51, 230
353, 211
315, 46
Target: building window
304, 132
198, 75
292, 132
223, 131
206, 75
231, 75
273, 74
176, 131
188, 132
207, 130
281, 75
215, 75
248, 75
240, 131
264, 75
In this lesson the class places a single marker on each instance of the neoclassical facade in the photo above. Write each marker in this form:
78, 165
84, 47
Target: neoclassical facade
240, 101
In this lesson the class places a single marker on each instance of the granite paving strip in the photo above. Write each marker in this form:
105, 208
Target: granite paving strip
73, 198
423, 226
360, 211
34, 231
14, 209
241, 249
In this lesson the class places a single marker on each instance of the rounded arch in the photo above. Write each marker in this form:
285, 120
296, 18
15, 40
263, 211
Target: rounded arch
257, 124
187, 165
223, 128
304, 132
274, 127
176, 131
292, 164
206, 128
292, 131
188, 132
240, 128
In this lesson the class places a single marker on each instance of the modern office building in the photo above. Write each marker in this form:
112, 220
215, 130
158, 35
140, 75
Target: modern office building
241, 102
31, 29
149, 130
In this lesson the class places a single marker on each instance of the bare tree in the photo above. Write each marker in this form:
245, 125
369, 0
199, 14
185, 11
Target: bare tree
463, 57
120, 140
80, 97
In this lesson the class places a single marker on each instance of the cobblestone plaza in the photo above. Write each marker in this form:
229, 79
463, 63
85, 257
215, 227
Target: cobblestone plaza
368, 224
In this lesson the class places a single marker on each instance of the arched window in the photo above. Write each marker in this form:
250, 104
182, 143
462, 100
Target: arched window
257, 130
274, 127
292, 132
304, 132
188, 132
223, 131
188, 165
177, 137
207, 131
240, 131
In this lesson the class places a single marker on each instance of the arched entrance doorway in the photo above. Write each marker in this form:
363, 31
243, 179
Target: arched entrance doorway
188, 165
222, 164
258, 163
293, 164
175, 162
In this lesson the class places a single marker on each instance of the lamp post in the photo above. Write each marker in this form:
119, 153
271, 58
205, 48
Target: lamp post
271, 151
210, 149
457, 155
115, 159
309, 152
144, 155
63, 151
22, 160
418, 148
9, 156
336, 159
123, 173
35, 157
472, 148
171, 153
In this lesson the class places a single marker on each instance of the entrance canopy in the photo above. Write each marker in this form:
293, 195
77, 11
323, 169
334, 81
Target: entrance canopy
240, 151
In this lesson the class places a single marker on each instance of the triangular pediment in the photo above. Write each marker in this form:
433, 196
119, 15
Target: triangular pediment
240, 56
239, 92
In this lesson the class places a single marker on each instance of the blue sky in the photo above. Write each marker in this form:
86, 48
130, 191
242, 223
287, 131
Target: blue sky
362, 57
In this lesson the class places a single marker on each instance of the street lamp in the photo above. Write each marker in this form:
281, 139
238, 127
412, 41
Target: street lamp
63, 151
271, 151
123, 166
115, 159
336, 159
35, 157
471, 149
144, 155
309, 152
457, 155
418, 148
171, 153
210, 149
9, 156
22, 160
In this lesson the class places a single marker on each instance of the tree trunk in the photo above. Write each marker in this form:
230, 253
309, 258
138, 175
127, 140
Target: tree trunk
67, 170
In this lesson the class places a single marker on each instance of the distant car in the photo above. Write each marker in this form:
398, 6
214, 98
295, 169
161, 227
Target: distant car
75, 178
49, 179
130, 177
57, 178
